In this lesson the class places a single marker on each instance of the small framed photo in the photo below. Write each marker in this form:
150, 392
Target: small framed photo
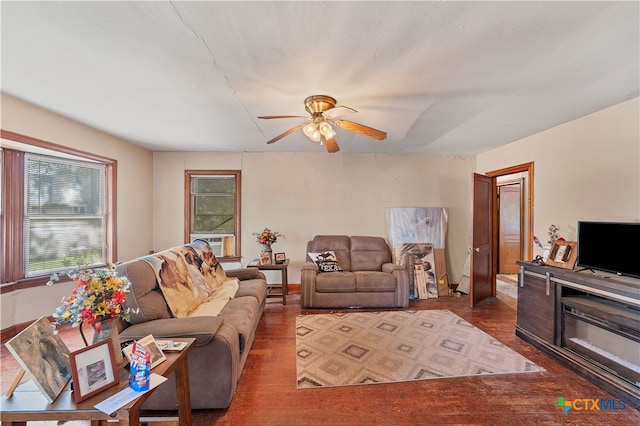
93, 370
563, 254
280, 257
150, 344
264, 258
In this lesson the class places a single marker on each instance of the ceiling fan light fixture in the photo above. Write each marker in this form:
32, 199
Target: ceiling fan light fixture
309, 129
326, 130
315, 136
320, 128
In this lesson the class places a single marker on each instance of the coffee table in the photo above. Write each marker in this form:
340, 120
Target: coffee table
28, 404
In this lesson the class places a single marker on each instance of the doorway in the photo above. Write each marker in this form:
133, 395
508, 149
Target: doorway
525, 173
485, 268
510, 225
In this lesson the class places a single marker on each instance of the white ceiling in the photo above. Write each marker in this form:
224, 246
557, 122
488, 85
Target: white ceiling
438, 77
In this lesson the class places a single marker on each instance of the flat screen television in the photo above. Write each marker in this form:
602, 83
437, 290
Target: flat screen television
609, 246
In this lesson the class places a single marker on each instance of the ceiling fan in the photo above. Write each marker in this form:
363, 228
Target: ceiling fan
323, 112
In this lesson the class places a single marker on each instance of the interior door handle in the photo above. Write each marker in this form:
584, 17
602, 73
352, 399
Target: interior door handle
477, 249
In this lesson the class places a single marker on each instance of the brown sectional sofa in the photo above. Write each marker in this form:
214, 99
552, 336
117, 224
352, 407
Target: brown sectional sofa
222, 342
368, 278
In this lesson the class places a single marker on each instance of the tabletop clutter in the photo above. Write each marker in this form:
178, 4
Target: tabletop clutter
140, 368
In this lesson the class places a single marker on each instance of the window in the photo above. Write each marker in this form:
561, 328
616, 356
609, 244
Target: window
64, 215
56, 211
213, 210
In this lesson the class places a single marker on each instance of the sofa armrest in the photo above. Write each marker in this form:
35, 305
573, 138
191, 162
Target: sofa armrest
245, 273
203, 329
308, 283
402, 281
309, 266
390, 267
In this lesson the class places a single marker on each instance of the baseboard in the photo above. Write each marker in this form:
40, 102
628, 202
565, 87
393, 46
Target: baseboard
293, 288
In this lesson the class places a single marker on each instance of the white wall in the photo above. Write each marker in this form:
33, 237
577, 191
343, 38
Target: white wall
302, 195
586, 169
135, 173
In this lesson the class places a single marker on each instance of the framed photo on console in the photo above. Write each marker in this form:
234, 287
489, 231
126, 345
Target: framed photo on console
264, 258
150, 344
93, 370
563, 254
280, 257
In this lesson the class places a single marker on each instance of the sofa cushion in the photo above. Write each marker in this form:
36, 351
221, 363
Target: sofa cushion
242, 313
369, 253
338, 282
145, 301
203, 329
373, 281
255, 288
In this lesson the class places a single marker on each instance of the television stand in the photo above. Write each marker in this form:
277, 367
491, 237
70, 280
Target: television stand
589, 323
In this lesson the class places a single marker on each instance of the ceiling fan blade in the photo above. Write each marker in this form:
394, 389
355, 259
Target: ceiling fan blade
338, 111
331, 145
288, 132
281, 116
362, 129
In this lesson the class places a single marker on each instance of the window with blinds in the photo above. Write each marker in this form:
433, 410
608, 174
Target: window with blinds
65, 214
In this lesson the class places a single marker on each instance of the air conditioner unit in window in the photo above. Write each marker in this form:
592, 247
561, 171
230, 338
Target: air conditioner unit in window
222, 244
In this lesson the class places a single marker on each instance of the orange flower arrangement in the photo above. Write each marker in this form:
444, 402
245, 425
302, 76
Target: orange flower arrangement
267, 236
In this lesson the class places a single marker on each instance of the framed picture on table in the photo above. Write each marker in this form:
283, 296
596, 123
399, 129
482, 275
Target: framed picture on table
150, 345
44, 356
563, 254
93, 370
264, 258
280, 257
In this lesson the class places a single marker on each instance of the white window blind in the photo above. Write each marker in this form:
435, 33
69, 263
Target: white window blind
65, 214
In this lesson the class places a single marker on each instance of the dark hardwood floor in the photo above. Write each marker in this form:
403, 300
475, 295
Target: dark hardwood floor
267, 394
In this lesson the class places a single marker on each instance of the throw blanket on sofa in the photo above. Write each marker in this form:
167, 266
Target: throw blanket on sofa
189, 277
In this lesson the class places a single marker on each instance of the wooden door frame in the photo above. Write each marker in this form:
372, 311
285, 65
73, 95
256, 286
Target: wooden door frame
520, 168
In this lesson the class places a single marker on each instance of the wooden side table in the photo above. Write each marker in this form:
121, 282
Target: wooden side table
27, 403
282, 267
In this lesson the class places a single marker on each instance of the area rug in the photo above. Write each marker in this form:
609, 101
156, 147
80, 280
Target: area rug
357, 348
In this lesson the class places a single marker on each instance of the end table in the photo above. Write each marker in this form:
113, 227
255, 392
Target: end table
282, 267
28, 403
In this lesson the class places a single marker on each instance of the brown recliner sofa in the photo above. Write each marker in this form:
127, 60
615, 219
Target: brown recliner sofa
368, 278
222, 342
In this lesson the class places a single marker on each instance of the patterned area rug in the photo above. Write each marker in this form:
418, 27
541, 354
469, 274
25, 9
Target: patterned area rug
343, 349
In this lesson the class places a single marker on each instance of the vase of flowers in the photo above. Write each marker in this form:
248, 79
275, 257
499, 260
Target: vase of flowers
553, 235
97, 299
266, 238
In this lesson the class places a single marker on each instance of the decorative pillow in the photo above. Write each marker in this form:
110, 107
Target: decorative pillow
313, 256
329, 266
326, 261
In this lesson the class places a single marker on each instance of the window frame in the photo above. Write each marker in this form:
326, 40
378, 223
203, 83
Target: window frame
188, 207
12, 274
